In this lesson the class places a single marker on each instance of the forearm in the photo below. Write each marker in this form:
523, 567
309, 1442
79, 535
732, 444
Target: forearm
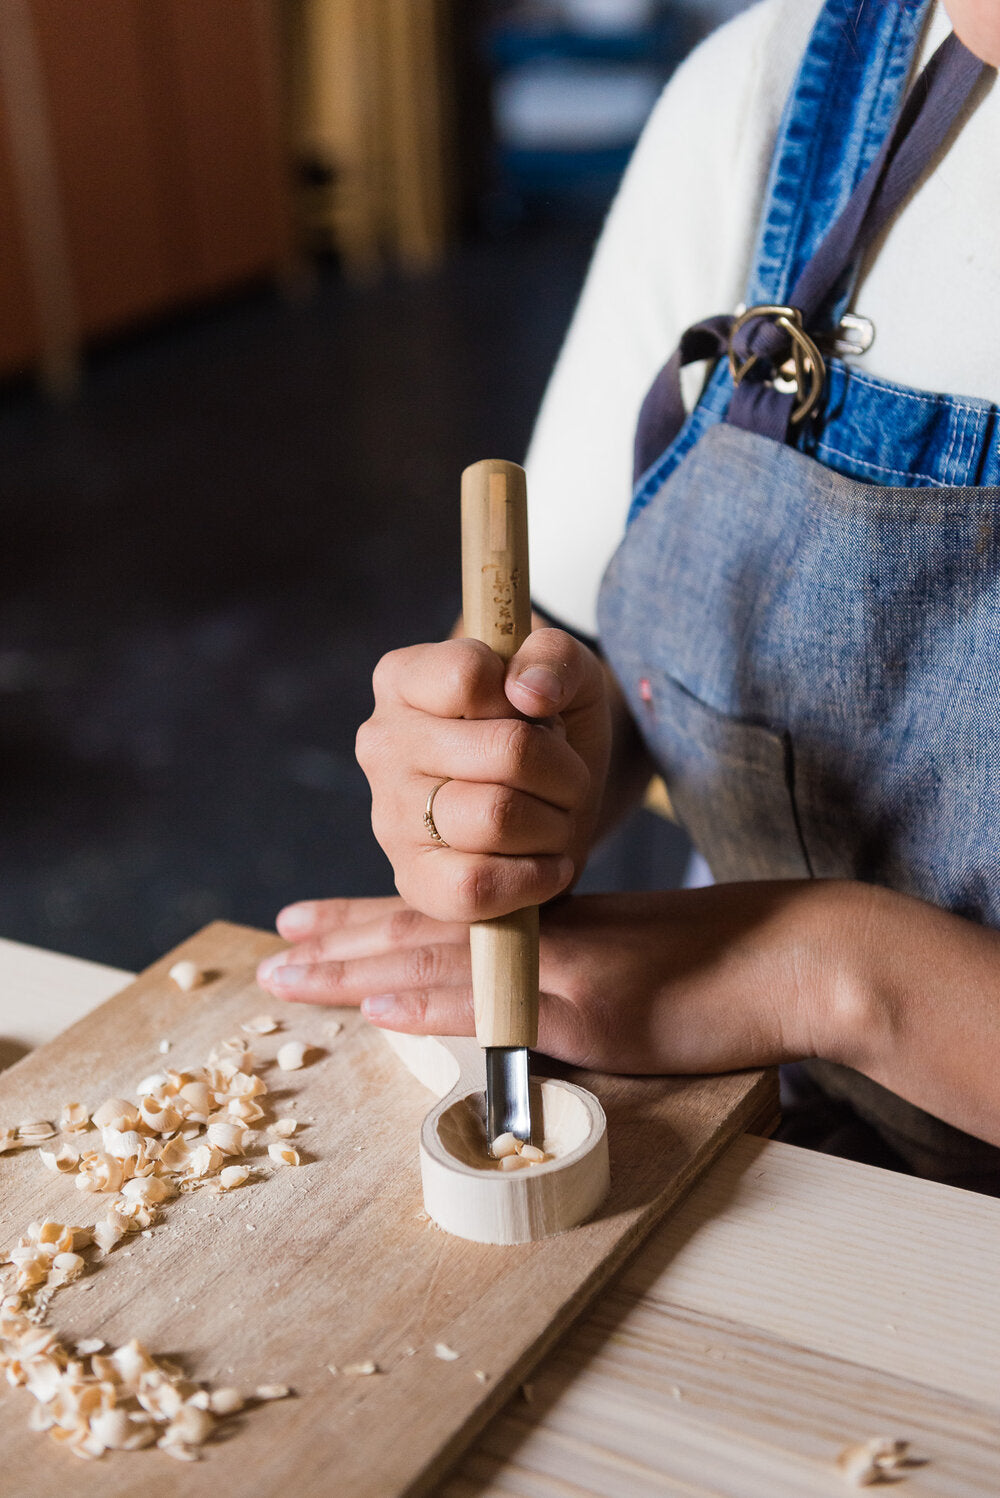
913, 1001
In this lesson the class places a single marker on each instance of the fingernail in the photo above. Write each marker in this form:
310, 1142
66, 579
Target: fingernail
295, 918
268, 966
378, 1004
543, 682
287, 975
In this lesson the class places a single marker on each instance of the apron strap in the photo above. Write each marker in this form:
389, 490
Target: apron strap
932, 106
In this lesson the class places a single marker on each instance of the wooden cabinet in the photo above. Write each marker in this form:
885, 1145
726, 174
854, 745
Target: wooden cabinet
142, 162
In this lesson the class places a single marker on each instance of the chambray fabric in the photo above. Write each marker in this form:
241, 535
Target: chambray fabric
821, 687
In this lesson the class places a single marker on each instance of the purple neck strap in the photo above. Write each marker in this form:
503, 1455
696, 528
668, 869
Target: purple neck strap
929, 113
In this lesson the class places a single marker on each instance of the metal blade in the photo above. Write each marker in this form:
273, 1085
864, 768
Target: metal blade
508, 1105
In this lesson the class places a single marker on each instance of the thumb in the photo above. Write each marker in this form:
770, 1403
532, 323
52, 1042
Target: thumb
551, 672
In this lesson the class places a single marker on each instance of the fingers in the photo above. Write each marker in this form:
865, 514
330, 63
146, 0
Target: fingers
349, 980
498, 819
446, 1011
452, 679
312, 917
468, 887
553, 673
530, 757
517, 800
358, 928
406, 971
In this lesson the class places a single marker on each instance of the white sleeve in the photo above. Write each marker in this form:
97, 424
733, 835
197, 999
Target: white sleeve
675, 249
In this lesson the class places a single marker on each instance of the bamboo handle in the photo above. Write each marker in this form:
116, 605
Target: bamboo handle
496, 608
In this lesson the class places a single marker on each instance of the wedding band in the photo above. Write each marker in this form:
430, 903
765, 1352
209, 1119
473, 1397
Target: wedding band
429, 813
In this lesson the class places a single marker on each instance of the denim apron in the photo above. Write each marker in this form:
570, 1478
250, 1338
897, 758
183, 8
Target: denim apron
804, 614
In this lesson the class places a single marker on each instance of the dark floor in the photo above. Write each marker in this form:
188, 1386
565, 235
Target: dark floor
202, 560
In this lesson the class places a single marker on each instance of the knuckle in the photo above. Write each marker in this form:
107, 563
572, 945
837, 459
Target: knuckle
417, 1004
386, 672
471, 890
403, 924
501, 812
462, 669
364, 743
423, 966
518, 739
334, 974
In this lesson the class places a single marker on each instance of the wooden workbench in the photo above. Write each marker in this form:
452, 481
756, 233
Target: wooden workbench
793, 1304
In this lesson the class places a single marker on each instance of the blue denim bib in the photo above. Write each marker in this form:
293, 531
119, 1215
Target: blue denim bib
821, 687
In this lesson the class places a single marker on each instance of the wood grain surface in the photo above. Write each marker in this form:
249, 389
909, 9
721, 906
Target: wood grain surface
331, 1262
793, 1304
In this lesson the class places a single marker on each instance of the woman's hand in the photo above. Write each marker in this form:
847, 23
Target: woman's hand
524, 752
706, 980
681, 981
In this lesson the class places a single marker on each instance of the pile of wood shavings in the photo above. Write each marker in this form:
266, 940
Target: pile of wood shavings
176, 1137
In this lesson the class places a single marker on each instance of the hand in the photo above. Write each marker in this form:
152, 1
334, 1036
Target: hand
524, 750
681, 981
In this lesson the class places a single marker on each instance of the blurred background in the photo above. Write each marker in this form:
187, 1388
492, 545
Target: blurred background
272, 272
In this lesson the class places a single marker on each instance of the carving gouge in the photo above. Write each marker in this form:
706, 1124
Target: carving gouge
496, 608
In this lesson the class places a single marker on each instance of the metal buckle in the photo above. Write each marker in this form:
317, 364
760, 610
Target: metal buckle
853, 336
802, 373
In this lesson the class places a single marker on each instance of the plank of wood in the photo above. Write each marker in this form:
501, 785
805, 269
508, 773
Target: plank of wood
52, 991
648, 1400
339, 1266
792, 1304
879, 1269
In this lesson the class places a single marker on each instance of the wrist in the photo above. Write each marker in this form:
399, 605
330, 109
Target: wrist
852, 1017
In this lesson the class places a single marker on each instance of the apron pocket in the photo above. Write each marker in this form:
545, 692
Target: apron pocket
731, 784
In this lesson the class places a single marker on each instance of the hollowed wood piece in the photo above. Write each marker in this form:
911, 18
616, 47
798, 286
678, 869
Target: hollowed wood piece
465, 1191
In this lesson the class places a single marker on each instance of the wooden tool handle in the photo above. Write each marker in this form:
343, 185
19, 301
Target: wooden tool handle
496, 608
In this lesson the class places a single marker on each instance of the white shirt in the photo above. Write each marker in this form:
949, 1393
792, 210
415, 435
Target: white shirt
677, 247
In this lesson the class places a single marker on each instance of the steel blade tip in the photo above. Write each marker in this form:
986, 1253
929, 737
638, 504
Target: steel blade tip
508, 1095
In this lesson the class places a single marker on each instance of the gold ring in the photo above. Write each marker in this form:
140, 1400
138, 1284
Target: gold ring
429, 813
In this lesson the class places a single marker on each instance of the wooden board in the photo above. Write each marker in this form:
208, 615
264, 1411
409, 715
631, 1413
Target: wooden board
793, 1304
340, 1266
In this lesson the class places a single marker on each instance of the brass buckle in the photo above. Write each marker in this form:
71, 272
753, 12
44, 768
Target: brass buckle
803, 372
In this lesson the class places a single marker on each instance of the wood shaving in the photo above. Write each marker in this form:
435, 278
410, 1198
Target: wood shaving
513, 1153
164, 1047
225, 1401
283, 1128
482, 1376
333, 1028
445, 1353
865, 1463
116, 1113
187, 975
233, 1176
74, 1117
264, 1024
361, 1370
283, 1154
174, 1137
292, 1055
62, 1160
